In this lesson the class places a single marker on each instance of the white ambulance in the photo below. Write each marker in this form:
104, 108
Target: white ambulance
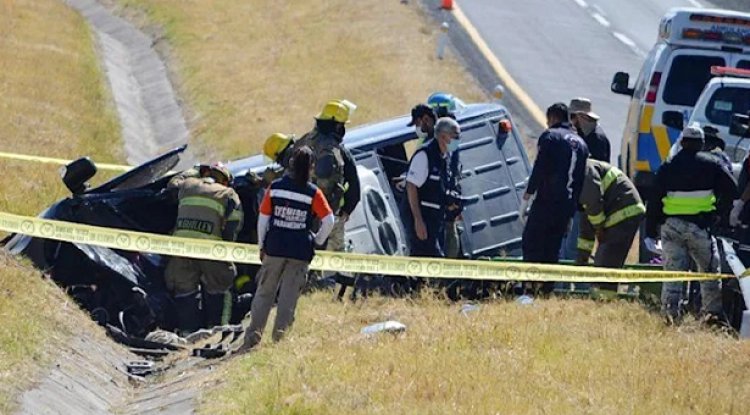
726, 96
675, 72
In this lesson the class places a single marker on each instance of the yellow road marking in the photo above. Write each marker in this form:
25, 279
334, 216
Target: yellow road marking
502, 73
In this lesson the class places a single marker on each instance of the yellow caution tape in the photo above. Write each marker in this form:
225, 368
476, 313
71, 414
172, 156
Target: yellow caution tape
332, 261
61, 162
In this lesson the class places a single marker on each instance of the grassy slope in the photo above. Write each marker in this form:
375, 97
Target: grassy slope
52, 102
557, 356
249, 69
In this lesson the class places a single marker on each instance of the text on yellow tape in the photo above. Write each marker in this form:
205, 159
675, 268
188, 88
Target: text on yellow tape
332, 261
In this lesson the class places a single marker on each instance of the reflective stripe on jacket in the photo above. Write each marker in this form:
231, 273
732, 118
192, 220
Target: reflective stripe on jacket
432, 194
694, 186
608, 198
206, 210
689, 203
290, 227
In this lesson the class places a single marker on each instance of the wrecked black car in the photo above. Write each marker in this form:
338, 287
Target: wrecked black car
126, 290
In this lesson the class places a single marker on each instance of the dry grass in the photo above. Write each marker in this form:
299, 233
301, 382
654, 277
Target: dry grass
571, 356
37, 318
249, 69
53, 100
53, 103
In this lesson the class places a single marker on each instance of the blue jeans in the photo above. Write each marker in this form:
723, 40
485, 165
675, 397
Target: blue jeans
570, 243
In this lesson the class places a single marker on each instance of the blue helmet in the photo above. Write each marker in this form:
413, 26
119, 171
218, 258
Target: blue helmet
442, 102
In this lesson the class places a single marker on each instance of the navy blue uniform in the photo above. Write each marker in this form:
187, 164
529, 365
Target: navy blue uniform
432, 201
556, 181
292, 209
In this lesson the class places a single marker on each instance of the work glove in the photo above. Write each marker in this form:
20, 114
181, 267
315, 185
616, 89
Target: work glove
653, 245
523, 210
734, 215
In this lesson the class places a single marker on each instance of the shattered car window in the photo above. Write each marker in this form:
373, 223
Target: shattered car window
149, 173
144, 174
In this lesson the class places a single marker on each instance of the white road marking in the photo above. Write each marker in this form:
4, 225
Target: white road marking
629, 43
695, 3
581, 3
624, 39
599, 18
599, 9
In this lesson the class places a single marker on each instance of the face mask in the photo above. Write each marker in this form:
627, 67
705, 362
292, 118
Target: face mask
420, 134
453, 145
586, 126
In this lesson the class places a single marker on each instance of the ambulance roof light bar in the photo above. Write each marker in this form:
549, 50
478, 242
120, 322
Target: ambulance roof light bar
727, 71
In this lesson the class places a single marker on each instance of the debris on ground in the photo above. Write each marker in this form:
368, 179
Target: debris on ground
466, 309
141, 367
525, 300
390, 326
166, 337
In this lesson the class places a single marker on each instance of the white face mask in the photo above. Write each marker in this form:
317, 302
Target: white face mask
420, 134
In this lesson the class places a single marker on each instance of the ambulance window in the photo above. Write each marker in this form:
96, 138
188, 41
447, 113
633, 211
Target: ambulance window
725, 102
743, 64
687, 77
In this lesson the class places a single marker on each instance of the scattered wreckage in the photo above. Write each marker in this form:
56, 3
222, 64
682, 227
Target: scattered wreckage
125, 291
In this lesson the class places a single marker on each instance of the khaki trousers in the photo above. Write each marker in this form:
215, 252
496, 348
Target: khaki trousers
285, 276
183, 275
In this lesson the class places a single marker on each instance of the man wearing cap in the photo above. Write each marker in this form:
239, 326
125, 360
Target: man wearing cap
427, 183
423, 120
693, 192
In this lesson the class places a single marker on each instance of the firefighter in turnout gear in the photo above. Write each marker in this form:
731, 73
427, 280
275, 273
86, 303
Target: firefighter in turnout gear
287, 242
612, 213
693, 192
278, 148
207, 209
335, 173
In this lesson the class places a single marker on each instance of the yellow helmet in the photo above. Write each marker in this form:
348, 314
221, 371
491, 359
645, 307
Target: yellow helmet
275, 144
337, 110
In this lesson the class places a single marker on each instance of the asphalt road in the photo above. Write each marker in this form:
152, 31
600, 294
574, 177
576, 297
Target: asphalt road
560, 49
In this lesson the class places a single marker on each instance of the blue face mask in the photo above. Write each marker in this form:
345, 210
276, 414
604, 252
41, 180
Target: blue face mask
453, 145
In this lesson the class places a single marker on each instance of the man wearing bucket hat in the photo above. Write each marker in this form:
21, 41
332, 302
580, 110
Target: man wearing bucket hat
586, 123
693, 192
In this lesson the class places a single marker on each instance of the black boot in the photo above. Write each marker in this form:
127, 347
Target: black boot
188, 315
217, 308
